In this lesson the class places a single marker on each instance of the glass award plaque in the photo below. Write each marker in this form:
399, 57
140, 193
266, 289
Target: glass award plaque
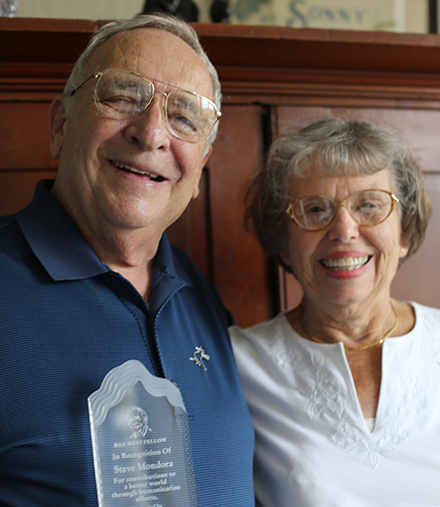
141, 442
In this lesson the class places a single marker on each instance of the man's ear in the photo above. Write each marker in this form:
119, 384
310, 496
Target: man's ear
57, 118
284, 257
203, 161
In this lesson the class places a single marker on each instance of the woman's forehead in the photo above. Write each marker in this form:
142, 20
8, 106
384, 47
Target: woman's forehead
339, 185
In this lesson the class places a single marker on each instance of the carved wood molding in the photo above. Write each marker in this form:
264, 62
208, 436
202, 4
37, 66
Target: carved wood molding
326, 89
266, 65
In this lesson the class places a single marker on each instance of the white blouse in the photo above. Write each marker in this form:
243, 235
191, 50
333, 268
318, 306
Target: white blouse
313, 446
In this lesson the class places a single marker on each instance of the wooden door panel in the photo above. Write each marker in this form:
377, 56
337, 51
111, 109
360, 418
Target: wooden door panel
420, 128
419, 278
241, 269
24, 136
17, 188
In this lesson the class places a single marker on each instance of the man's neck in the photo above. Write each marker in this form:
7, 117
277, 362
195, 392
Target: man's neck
127, 251
129, 255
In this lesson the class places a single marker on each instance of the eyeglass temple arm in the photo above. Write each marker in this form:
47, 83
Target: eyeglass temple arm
95, 75
289, 210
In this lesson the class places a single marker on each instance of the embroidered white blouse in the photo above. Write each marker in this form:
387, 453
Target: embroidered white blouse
313, 446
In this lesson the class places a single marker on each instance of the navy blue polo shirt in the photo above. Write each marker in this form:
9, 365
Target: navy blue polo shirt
66, 320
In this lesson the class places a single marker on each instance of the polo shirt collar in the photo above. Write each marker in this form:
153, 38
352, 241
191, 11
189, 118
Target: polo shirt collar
62, 249
55, 239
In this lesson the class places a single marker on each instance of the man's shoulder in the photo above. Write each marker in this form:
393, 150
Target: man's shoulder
6, 220
185, 260
14, 250
184, 265
200, 285
8, 228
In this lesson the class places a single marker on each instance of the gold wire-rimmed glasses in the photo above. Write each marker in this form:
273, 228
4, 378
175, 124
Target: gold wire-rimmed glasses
366, 207
121, 94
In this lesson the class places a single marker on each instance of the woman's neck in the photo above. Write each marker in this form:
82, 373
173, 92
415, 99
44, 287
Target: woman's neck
356, 326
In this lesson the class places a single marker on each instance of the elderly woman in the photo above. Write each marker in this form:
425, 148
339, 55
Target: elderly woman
343, 389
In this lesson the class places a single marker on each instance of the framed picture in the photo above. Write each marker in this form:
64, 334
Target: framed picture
387, 15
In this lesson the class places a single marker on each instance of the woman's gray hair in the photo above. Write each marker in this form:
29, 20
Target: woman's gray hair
159, 21
334, 147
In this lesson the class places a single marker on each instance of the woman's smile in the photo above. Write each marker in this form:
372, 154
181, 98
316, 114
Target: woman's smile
345, 263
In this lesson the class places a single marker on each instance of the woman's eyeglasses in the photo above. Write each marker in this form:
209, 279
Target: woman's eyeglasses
367, 208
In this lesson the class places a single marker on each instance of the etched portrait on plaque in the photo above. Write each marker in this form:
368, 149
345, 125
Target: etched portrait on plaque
141, 443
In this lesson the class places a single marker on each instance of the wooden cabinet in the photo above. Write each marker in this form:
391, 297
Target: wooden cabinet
273, 79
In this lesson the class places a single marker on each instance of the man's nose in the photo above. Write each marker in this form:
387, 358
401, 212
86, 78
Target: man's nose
149, 128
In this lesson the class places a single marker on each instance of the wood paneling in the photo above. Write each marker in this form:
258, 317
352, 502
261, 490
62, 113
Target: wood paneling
418, 279
24, 136
17, 188
241, 270
419, 127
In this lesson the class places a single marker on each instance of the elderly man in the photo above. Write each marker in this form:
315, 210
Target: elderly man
88, 279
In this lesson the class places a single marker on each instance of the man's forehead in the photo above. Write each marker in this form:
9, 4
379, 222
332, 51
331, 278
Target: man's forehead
156, 54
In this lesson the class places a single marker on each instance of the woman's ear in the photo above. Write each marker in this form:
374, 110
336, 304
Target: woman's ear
57, 118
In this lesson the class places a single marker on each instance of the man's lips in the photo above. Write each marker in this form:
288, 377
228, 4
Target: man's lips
152, 176
345, 263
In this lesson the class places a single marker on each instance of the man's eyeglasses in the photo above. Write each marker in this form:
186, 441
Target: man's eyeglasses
367, 208
121, 94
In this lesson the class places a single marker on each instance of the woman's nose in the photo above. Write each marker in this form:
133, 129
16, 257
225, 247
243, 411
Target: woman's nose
344, 227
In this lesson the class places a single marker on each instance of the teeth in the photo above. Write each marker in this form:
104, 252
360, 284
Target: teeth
345, 264
153, 177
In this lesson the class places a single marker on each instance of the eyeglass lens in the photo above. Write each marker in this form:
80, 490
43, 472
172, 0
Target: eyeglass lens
121, 94
369, 207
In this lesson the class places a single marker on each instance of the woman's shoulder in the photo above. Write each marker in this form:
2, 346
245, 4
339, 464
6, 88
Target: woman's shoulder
260, 338
426, 331
427, 317
424, 311
261, 330
261, 350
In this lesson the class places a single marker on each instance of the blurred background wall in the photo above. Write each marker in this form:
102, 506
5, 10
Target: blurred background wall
393, 15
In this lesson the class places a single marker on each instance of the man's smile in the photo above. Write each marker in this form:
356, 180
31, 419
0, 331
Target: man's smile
152, 176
